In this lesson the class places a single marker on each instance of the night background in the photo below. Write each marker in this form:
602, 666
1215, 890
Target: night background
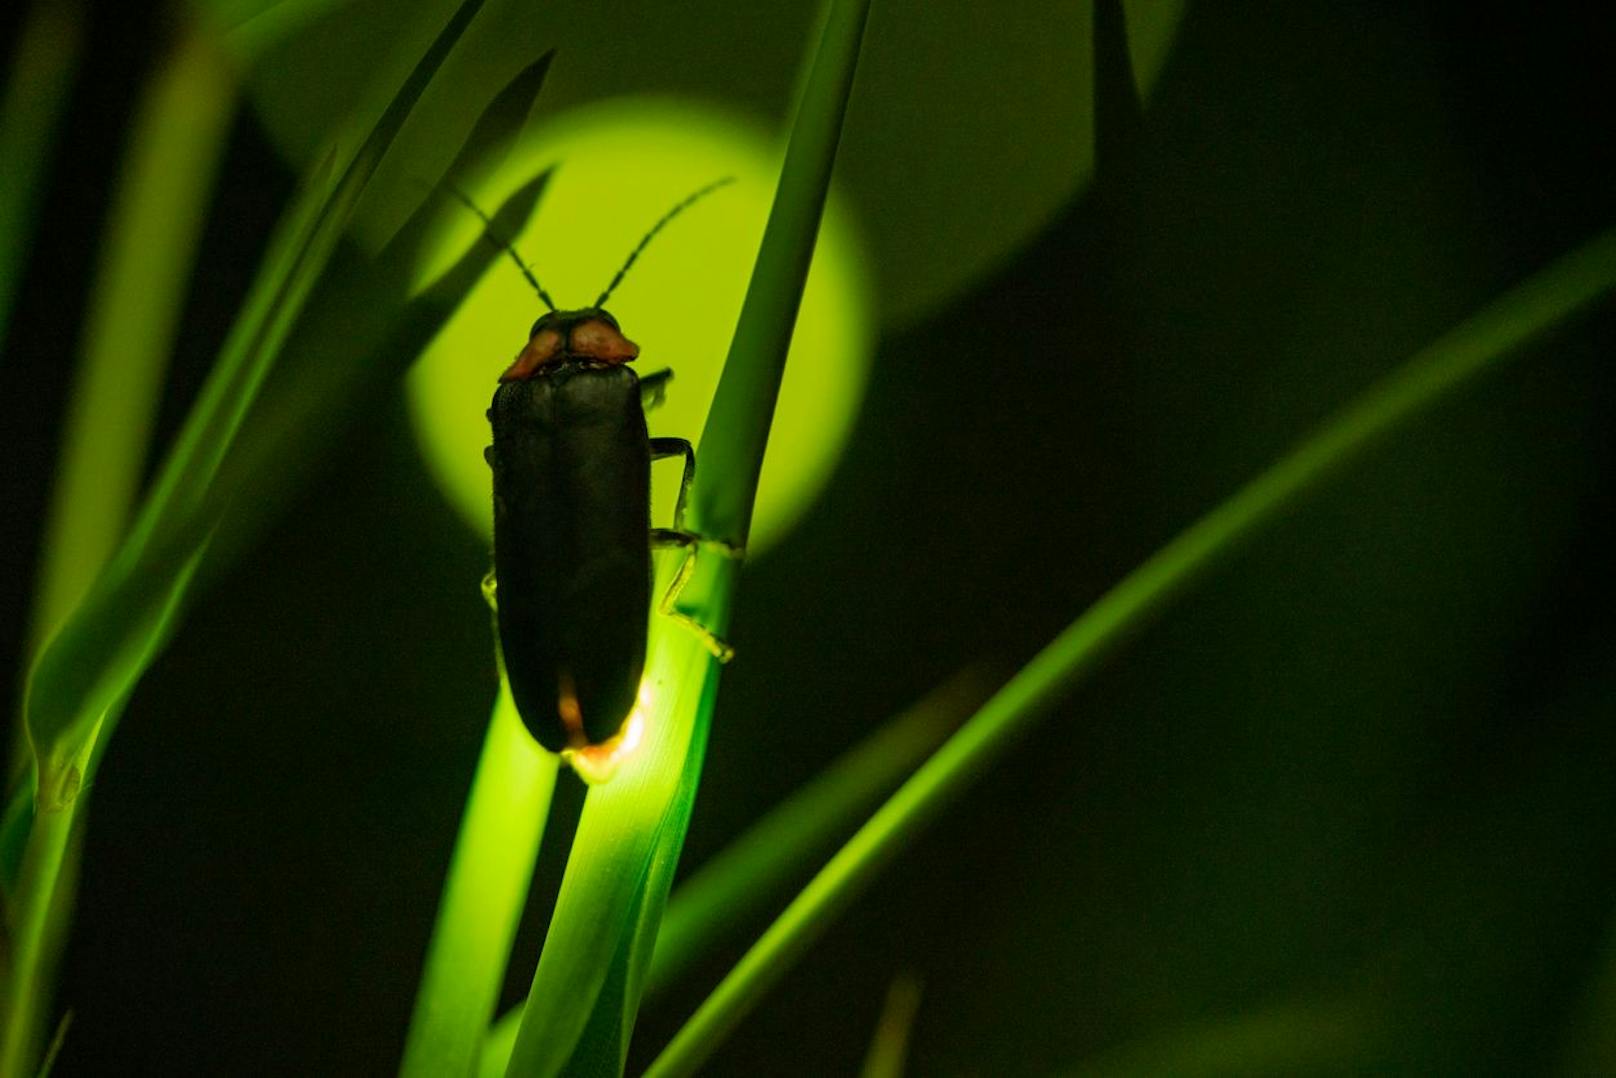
1346, 807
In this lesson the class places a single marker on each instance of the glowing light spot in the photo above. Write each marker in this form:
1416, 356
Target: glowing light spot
633, 732
596, 764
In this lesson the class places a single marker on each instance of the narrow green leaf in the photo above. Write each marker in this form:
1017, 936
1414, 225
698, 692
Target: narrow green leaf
54, 1050
255, 342
134, 307
97, 656
1301, 1037
737, 427
482, 898
254, 26
1472, 348
614, 889
1588, 1045
78, 683
727, 892
738, 883
889, 1048
603, 902
602, 1048
43, 67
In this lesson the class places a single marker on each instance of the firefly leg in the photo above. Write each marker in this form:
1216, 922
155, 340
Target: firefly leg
668, 607
653, 387
662, 448
692, 544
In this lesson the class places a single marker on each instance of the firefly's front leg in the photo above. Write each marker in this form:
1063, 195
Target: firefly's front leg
653, 387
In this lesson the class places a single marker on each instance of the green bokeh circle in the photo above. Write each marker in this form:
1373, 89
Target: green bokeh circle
621, 164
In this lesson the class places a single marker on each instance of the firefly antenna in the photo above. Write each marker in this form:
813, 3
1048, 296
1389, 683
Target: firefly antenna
689, 200
501, 242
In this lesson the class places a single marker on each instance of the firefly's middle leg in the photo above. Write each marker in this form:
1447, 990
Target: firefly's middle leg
661, 449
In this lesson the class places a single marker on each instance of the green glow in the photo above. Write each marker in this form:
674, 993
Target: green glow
623, 163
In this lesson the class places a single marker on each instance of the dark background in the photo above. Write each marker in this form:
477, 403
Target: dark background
1365, 768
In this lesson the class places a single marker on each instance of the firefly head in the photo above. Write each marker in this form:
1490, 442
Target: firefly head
590, 333
587, 334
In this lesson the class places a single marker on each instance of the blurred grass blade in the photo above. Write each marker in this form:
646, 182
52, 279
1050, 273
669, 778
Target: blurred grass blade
42, 70
889, 1048
632, 828
492, 137
278, 297
54, 1050
742, 880
1475, 346
1588, 1045
361, 328
90, 666
1119, 113
364, 327
253, 26
737, 427
133, 306
1303, 1037
483, 898
135, 300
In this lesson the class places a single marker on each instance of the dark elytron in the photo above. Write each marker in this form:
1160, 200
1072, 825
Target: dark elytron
572, 519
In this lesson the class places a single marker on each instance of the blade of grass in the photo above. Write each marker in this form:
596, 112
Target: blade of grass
736, 884
737, 427
1588, 1045
1475, 346
1313, 1036
889, 1048
255, 343
134, 303
603, 1046
361, 327
254, 26
483, 898
613, 885
603, 890
58, 1039
364, 328
82, 676
79, 674
134, 306
42, 71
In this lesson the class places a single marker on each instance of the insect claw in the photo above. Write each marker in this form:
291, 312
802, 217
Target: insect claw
722, 650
